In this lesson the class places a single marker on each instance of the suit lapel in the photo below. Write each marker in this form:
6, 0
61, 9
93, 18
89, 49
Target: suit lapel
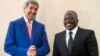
24, 28
64, 46
77, 39
34, 30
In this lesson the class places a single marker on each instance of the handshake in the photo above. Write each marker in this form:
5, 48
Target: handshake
31, 51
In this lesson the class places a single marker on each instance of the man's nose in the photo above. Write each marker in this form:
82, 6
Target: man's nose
33, 11
68, 20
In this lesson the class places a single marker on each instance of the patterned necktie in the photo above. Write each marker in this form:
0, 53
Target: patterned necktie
29, 28
70, 42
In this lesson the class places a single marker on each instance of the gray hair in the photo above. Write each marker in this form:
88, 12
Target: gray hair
30, 1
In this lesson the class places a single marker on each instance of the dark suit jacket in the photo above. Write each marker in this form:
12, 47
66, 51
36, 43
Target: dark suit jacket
18, 41
85, 44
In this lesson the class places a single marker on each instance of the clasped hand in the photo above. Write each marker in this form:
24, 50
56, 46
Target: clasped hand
31, 51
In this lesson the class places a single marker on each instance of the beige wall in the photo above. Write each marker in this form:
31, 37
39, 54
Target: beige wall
51, 13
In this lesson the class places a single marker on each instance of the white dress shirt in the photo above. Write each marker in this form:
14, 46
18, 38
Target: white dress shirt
73, 34
26, 20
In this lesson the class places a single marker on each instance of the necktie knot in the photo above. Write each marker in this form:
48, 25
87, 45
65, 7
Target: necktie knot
28, 22
70, 33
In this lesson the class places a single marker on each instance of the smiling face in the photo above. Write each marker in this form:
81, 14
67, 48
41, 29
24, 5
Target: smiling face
30, 11
70, 20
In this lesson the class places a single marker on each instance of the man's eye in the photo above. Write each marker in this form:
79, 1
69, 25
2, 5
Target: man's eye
65, 18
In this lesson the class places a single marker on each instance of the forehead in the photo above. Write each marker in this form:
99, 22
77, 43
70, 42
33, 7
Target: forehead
70, 14
32, 5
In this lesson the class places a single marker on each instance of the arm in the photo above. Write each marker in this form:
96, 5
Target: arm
10, 43
44, 49
92, 44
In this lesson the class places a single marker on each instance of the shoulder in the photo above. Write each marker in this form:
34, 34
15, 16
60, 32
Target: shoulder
59, 34
38, 23
62, 32
18, 20
86, 30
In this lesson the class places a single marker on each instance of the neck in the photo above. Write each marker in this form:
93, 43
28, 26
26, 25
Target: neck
29, 20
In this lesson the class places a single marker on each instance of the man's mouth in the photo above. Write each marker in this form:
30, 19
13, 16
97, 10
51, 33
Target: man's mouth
31, 14
68, 24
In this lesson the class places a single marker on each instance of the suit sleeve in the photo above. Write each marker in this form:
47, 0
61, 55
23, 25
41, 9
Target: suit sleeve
10, 44
44, 49
55, 49
92, 44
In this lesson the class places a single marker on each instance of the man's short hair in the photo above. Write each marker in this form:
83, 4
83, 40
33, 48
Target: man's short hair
32, 2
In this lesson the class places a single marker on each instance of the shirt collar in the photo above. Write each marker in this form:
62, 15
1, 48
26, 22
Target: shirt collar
26, 20
73, 31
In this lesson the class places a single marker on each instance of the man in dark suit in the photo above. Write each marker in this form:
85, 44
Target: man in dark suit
26, 36
74, 41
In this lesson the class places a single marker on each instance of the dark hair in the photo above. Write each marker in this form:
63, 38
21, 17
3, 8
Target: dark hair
32, 2
72, 13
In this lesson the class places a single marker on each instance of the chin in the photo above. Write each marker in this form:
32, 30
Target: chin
69, 28
31, 18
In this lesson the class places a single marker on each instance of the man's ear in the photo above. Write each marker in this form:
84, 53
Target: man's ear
23, 7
